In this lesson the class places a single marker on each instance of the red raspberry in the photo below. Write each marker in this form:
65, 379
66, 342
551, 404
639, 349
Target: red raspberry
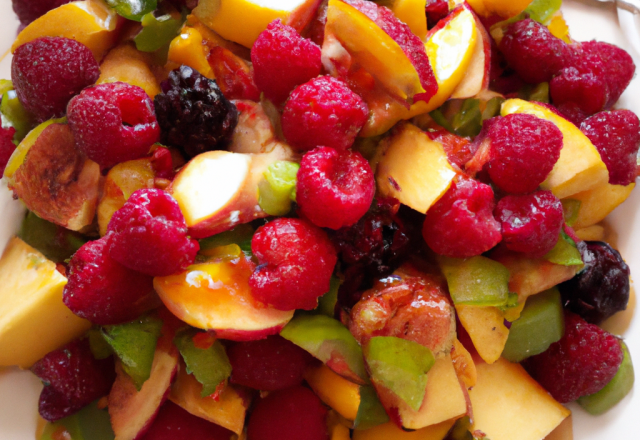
282, 60
29, 10
113, 123
323, 112
104, 292
49, 71
461, 223
616, 135
73, 378
296, 262
531, 223
532, 51
618, 68
7, 147
149, 235
174, 423
269, 364
581, 363
524, 149
334, 189
294, 413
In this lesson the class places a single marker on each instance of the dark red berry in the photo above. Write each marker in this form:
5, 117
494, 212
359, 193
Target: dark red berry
149, 235
524, 149
296, 262
102, 290
174, 423
436, 10
581, 363
29, 10
601, 289
268, 364
334, 189
291, 414
616, 135
193, 113
531, 223
533, 51
113, 123
49, 71
461, 223
323, 113
73, 378
282, 60
7, 147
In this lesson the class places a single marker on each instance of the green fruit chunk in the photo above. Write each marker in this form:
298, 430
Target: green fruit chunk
133, 9
460, 430
90, 423
615, 390
331, 342
99, 347
210, 366
327, 302
157, 32
571, 208
565, 252
55, 242
542, 10
135, 344
541, 323
492, 107
370, 411
14, 115
537, 93
468, 120
277, 189
240, 235
477, 281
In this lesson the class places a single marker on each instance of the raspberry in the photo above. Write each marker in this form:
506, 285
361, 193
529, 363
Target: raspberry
294, 413
193, 113
48, 72
113, 123
174, 423
296, 263
323, 112
29, 10
334, 189
461, 223
104, 292
73, 378
616, 135
269, 364
618, 68
524, 149
436, 10
531, 223
149, 235
282, 60
7, 147
532, 51
581, 363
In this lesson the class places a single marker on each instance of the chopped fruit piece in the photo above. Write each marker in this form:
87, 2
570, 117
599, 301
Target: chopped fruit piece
282, 60
412, 13
174, 423
476, 281
296, 262
500, 8
7, 147
234, 75
149, 235
581, 363
524, 149
391, 431
103, 291
55, 242
193, 113
335, 189
190, 49
292, 413
485, 326
323, 112
113, 122
461, 223
464, 364
278, 188
268, 364
29, 10
91, 422
597, 203
124, 63
602, 288
340, 394
370, 411
133, 10
616, 135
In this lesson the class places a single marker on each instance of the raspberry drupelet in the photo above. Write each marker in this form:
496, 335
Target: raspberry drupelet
334, 189
282, 60
49, 71
113, 123
149, 235
296, 262
323, 112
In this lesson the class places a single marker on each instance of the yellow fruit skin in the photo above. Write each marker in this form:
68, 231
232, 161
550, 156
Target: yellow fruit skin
33, 319
411, 12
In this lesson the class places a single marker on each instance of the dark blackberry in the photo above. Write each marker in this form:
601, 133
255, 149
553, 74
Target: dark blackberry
602, 287
193, 113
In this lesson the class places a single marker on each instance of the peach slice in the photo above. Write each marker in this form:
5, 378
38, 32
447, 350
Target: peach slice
90, 22
339, 393
216, 296
254, 132
597, 203
501, 8
486, 328
411, 12
390, 431
125, 63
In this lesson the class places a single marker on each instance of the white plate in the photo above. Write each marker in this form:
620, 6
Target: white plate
19, 390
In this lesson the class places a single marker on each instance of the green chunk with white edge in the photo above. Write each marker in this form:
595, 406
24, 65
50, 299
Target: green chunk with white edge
477, 281
210, 366
399, 365
370, 411
331, 342
277, 189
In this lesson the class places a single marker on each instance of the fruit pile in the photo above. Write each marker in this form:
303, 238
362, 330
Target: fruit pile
313, 220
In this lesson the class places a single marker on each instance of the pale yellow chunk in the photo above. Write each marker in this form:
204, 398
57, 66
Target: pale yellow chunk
486, 328
33, 318
597, 203
389, 431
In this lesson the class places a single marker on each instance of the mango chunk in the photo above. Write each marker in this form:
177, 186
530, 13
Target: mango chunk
597, 203
125, 63
189, 49
339, 393
391, 431
33, 318
486, 328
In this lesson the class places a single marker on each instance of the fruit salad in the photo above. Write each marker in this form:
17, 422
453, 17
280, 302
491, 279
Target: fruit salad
315, 219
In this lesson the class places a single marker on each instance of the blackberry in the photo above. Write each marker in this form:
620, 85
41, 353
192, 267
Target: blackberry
193, 113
